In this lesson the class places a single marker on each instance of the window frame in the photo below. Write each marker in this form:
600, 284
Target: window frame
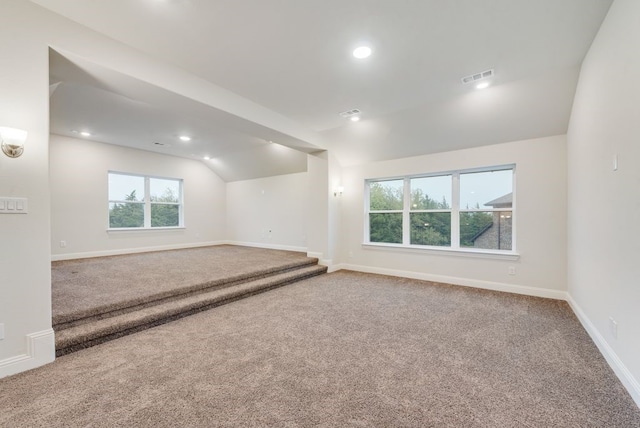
455, 211
400, 211
147, 202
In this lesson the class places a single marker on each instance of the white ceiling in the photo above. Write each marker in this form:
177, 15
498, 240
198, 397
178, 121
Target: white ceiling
122, 110
294, 57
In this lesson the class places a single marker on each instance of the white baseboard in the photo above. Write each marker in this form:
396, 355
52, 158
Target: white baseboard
336, 267
104, 253
268, 246
314, 254
630, 383
41, 350
467, 282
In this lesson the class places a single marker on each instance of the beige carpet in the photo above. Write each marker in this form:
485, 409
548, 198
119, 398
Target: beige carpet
86, 287
341, 349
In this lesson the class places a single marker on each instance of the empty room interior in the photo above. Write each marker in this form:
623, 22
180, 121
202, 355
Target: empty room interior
319, 213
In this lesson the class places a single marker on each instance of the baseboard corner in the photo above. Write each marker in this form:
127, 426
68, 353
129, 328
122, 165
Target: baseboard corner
619, 368
336, 267
41, 350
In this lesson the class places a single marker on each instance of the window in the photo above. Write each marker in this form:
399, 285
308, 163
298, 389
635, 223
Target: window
385, 215
464, 210
486, 210
430, 211
141, 202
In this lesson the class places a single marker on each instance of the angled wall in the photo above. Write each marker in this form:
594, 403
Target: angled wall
604, 202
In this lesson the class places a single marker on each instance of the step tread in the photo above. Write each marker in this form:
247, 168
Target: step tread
72, 320
107, 326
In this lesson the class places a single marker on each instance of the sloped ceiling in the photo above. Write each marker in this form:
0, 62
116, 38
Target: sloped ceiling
294, 57
121, 110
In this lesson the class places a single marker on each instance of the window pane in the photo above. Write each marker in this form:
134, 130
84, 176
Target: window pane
126, 215
482, 190
431, 229
385, 227
386, 195
487, 230
431, 193
163, 190
164, 215
126, 187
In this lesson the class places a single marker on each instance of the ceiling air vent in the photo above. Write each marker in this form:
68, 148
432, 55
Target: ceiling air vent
349, 113
478, 76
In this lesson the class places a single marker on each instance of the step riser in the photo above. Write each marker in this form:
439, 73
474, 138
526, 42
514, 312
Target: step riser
75, 344
176, 295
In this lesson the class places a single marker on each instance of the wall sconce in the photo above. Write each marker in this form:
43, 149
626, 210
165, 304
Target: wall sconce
12, 140
338, 191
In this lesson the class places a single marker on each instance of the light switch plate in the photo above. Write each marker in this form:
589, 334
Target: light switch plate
1, 331
14, 205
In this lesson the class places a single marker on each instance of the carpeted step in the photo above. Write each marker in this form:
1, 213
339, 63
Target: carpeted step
102, 330
78, 318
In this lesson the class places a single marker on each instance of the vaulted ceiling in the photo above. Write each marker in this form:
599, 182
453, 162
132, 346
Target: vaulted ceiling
294, 58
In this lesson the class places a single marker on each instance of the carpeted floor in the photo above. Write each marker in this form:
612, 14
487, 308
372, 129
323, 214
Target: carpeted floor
86, 286
343, 349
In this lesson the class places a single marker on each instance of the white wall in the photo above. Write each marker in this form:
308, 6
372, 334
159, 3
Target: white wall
27, 31
269, 212
318, 206
78, 180
604, 205
540, 220
25, 293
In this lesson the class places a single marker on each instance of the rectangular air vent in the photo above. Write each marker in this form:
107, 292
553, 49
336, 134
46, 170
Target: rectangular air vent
478, 76
349, 113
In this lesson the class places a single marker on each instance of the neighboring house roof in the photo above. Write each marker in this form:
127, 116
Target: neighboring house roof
505, 201
482, 232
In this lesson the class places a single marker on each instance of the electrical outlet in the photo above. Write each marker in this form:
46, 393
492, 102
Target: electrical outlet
512, 270
613, 327
63, 244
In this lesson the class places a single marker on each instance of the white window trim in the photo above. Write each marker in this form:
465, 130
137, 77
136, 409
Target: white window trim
147, 204
455, 210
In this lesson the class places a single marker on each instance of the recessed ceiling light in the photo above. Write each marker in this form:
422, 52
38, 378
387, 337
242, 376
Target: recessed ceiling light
207, 158
184, 138
355, 118
85, 134
482, 85
362, 52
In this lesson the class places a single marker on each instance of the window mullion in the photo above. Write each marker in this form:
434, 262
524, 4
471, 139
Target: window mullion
455, 211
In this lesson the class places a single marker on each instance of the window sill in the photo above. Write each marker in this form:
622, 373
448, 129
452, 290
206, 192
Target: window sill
442, 251
143, 229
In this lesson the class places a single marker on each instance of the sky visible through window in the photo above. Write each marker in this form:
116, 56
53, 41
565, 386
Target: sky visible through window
476, 189
121, 186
